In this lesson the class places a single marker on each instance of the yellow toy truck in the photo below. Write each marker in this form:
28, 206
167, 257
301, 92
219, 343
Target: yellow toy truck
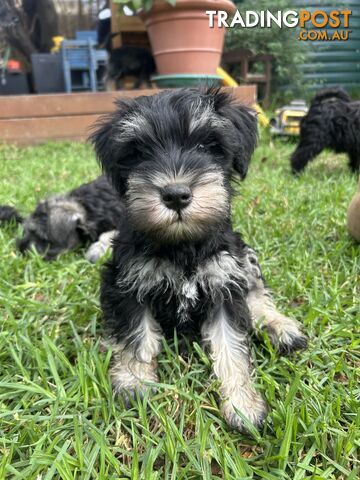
287, 119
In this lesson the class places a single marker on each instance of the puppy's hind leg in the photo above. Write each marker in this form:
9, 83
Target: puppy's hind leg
284, 333
227, 343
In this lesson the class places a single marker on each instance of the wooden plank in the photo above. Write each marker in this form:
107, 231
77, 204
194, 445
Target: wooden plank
55, 105
30, 106
40, 118
28, 131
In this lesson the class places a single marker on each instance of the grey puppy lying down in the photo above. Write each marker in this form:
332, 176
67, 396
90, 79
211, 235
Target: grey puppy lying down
90, 213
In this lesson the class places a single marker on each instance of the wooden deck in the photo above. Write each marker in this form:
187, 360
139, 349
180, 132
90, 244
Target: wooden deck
32, 119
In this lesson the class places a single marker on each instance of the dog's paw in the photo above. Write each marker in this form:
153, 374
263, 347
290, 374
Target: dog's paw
99, 248
285, 334
291, 339
129, 385
129, 394
95, 251
252, 407
292, 342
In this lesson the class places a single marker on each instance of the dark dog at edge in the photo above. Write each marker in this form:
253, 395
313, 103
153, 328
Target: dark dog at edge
333, 121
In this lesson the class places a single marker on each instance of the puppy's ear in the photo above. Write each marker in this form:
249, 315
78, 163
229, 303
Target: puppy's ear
110, 144
86, 230
243, 133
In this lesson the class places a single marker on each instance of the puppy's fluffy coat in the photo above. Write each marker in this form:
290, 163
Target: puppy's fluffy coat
178, 264
333, 121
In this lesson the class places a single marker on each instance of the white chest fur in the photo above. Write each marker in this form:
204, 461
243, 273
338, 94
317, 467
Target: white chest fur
215, 277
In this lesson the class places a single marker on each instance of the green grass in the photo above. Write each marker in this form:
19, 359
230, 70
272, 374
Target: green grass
58, 416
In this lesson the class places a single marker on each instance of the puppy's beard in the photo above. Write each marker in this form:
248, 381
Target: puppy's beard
208, 208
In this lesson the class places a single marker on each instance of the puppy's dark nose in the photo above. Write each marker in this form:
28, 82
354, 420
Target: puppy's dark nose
176, 196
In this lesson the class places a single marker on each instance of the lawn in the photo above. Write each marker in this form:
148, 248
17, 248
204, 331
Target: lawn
58, 416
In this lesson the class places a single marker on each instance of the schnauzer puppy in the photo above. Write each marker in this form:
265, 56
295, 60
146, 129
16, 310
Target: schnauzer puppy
125, 61
333, 121
178, 264
90, 213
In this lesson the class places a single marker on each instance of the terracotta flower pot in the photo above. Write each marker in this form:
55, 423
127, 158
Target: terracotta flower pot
180, 36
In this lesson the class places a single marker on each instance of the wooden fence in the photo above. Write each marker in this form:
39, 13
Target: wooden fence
32, 119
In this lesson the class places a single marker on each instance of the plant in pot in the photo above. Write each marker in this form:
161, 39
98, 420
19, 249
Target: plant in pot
184, 46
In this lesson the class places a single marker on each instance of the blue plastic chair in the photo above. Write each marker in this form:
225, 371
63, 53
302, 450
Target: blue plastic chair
80, 55
86, 35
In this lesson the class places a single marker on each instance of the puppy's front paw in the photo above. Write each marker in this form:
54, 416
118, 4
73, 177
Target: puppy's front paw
126, 383
95, 251
285, 334
291, 342
252, 406
128, 394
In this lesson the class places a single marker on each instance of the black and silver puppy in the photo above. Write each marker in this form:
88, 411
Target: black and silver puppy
89, 213
129, 61
333, 121
178, 264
